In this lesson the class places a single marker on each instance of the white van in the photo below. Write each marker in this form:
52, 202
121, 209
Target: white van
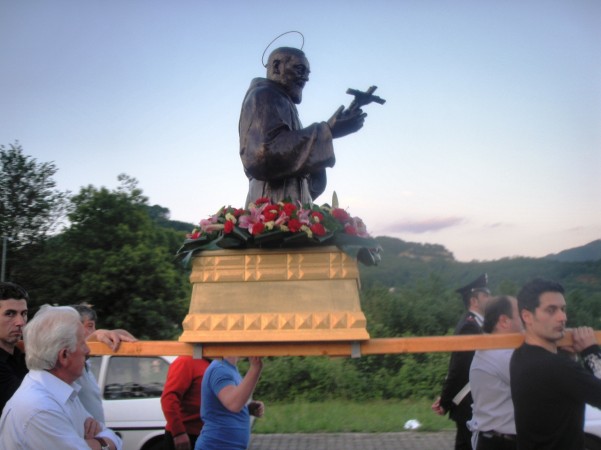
131, 389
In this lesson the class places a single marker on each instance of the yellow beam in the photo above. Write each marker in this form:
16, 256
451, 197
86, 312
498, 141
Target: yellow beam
370, 347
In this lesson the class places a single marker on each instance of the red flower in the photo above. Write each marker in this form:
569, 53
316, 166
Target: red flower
317, 216
318, 229
194, 235
340, 215
349, 229
294, 225
257, 228
261, 201
289, 209
271, 212
228, 226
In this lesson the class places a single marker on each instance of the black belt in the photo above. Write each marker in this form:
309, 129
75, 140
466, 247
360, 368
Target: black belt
497, 435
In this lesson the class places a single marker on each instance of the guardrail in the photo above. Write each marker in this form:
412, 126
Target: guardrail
378, 346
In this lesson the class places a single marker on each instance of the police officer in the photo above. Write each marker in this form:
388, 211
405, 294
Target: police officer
455, 397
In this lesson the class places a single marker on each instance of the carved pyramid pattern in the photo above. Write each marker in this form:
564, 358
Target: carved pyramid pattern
309, 294
275, 322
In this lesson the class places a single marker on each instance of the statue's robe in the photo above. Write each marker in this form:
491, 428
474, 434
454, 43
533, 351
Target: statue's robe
282, 160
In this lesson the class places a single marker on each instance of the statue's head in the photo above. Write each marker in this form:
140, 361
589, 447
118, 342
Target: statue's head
289, 67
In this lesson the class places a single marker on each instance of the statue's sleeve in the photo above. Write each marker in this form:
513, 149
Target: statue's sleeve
272, 147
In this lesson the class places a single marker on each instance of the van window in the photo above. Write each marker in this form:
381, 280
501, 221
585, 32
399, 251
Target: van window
135, 377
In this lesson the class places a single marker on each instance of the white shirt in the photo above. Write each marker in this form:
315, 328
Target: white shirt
492, 409
46, 413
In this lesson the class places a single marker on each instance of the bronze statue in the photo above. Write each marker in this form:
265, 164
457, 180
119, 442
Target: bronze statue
282, 159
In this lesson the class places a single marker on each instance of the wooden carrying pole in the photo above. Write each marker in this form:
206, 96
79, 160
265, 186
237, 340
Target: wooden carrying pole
362, 348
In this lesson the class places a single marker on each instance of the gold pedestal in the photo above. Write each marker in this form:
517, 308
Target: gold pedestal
274, 295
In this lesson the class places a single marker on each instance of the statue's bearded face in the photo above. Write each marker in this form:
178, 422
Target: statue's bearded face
293, 74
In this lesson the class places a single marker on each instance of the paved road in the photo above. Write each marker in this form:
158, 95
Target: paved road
407, 440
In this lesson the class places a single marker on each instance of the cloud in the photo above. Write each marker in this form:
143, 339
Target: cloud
498, 225
424, 226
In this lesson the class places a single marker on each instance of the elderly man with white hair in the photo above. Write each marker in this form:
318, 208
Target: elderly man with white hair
45, 412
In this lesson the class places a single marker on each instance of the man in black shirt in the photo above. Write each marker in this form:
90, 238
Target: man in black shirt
13, 317
549, 390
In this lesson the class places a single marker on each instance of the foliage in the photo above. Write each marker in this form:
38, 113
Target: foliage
115, 258
31, 207
310, 379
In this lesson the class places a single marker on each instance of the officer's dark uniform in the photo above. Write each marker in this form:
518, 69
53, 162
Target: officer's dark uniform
459, 369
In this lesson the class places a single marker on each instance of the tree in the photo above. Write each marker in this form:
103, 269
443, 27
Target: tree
31, 208
30, 205
114, 257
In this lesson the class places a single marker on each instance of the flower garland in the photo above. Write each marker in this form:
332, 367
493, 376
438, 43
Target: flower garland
284, 224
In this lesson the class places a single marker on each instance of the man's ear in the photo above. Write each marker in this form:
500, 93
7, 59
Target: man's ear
62, 356
526, 316
503, 320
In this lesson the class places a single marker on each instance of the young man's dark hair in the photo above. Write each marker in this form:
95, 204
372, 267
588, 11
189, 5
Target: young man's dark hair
529, 295
10, 290
495, 308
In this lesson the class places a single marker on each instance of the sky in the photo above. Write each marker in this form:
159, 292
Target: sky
489, 142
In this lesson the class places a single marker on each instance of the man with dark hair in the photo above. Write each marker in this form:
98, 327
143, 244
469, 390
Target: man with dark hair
282, 159
549, 390
455, 397
13, 317
492, 421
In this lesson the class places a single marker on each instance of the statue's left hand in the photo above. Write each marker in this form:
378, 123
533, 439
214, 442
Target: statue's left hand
344, 122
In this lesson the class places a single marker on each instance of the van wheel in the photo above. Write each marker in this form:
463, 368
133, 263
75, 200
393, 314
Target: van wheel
591, 442
156, 444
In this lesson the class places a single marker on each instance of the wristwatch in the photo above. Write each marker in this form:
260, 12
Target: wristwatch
103, 444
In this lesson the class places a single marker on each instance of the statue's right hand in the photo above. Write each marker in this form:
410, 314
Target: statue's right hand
344, 122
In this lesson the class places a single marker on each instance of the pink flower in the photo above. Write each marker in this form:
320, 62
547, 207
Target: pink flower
349, 229
360, 227
211, 224
253, 219
303, 216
